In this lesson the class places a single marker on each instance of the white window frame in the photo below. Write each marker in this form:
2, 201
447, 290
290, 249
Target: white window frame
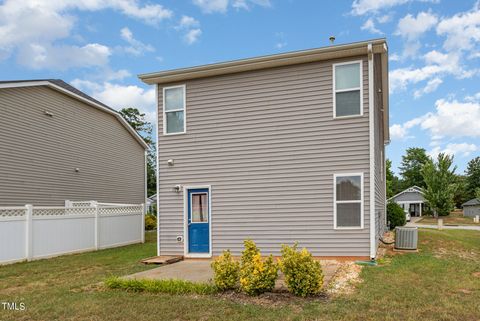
335, 91
335, 202
184, 110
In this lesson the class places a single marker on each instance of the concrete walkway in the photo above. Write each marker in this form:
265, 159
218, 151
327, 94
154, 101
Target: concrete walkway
200, 271
445, 227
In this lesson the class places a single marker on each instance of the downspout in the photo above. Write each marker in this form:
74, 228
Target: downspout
373, 247
158, 175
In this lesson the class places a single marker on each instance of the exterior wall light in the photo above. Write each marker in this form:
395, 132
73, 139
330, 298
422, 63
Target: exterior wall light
170, 162
177, 188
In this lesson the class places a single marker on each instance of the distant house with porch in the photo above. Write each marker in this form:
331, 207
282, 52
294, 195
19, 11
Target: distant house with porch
471, 208
411, 200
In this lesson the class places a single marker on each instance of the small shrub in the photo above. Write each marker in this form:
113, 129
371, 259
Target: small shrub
395, 215
150, 222
226, 271
256, 275
160, 286
303, 275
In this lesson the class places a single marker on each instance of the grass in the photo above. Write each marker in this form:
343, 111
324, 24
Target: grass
160, 286
455, 218
441, 282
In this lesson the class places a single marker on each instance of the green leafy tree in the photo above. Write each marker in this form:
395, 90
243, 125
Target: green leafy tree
393, 182
460, 196
472, 177
144, 128
440, 183
412, 163
477, 193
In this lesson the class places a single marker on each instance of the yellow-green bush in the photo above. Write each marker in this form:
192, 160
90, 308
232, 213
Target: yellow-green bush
226, 271
256, 275
150, 222
303, 274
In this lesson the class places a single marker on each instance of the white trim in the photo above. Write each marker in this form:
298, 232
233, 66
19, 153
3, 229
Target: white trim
335, 202
185, 222
158, 173
83, 99
360, 62
184, 110
371, 122
412, 189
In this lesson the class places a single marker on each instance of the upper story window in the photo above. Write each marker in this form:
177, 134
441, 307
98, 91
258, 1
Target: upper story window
347, 89
174, 119
348, 201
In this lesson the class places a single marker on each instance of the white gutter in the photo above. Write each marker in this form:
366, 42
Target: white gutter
158, 173
373, 243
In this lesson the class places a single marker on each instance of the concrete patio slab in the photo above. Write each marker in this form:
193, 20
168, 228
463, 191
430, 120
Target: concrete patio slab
200, 271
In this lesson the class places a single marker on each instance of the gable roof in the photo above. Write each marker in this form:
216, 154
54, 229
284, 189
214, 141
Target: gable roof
472, 202
63, 87
368, 47
413, 189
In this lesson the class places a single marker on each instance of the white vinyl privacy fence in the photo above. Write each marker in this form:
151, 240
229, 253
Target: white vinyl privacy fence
33, 232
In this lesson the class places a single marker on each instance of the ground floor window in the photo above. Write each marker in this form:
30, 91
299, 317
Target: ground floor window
348, 201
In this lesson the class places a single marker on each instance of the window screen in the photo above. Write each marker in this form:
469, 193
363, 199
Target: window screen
174, 110
348, 89
348, 201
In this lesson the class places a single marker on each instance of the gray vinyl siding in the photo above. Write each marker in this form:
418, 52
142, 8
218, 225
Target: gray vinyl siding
379, 151
409, 197
39, 153
471, 210
268, 145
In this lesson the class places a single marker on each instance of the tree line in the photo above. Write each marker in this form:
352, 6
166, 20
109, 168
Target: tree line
443, 188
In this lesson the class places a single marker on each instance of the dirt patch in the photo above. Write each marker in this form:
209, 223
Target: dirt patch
345, 280
476, 274
442, 252
271, 299
465, 291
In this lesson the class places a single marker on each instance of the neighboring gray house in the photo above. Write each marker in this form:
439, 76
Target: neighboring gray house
278, 149
411, 200
471, 208
59, 144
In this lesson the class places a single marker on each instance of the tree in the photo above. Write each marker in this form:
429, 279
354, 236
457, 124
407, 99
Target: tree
412, 163
137, 120
393, 182
472, 177
440, 184
477, 193
460, 196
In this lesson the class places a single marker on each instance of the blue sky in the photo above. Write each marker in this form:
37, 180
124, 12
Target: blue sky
100, 46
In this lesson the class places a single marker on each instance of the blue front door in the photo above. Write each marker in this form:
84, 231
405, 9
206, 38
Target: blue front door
198, 221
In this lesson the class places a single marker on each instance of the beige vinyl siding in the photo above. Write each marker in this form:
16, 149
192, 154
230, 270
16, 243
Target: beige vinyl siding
39, 153
268, 145
380, 178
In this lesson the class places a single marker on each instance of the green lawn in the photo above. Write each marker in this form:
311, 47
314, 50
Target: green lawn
441, 282
454, 218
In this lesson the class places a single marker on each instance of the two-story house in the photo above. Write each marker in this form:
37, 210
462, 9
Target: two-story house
277, 149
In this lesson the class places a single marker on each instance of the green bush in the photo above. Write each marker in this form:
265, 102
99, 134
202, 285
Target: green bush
395, 215
303, 275
150, 222
160, 286
256, 275
226, 271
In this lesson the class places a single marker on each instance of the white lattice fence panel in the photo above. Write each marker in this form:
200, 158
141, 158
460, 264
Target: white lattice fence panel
120, 210
66, 211
12, 211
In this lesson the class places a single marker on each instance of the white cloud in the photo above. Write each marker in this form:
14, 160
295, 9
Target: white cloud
437, 65
192, 36
462, 31
412, 28
431, 86
369, 26
451, 118
461, 149
211, 6
136, 47
32, 28
121, 96
361, 7
221, 6
385, 18
280, 40
38, 56
188, 22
